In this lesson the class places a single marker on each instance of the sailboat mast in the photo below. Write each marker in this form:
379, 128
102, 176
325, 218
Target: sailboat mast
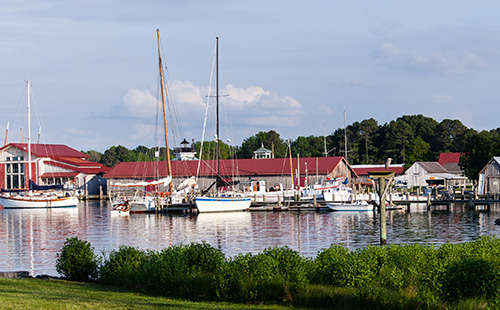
28, 113
217, 110
345, 145
169, 167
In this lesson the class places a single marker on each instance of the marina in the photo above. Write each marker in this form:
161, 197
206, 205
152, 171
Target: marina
30, 239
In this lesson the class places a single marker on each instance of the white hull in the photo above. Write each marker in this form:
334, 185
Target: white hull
26, 202
222, 204
356, 206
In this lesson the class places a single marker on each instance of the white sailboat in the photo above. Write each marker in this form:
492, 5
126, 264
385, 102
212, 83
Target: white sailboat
226, 202
31, 198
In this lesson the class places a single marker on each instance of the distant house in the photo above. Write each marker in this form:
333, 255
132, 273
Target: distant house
489, 177
51, 164
430, 174
450, 162
274, 171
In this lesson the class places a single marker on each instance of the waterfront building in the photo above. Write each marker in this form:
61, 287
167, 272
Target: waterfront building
489, 177
275, 171
431, 174
51, 164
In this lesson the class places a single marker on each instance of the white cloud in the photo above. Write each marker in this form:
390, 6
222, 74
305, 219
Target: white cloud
139, 103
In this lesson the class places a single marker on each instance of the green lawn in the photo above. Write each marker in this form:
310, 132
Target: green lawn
58, 294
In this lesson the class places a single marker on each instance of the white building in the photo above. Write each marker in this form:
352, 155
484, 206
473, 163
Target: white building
430, 174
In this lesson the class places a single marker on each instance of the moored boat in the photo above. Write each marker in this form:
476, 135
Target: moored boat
354, 206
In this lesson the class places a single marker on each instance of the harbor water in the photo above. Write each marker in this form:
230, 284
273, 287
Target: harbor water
31, 239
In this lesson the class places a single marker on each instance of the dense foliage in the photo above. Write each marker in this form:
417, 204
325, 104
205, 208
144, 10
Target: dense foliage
408, 139
77, 260
464, 276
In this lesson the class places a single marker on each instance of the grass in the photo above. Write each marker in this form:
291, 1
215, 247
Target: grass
59, 294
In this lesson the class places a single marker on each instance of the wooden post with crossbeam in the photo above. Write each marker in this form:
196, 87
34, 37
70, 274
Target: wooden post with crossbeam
382, 176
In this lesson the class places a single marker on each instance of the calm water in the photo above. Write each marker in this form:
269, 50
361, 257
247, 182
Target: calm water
30, 239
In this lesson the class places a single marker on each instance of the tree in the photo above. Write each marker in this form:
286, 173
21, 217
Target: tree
310, 146
209, 149
270, 140
95, 156
398, 135
114, 155
418, 150
479, 149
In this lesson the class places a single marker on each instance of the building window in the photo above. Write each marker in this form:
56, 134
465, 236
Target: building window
14, 173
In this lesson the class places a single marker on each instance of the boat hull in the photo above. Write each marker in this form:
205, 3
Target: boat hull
222, 204
36, 202
350, 206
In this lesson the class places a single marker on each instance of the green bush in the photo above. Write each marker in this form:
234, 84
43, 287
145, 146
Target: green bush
124, 267
276, 275
470, 278
186, 271
77, 261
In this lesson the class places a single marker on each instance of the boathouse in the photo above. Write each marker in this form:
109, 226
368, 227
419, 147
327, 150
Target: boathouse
489, 177
51, 164
431, 174
275, 171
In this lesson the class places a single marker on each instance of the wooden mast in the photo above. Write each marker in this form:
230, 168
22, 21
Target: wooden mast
169, 167
217, 113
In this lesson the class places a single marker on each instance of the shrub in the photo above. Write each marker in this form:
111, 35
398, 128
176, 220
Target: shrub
276, 275
470, 278
77, 261
124, 267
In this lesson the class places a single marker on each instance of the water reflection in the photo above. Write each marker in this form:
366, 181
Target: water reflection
30, 239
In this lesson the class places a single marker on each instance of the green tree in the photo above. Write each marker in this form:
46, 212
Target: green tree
95, 156
270, 140
368, 131
418, 150
397, 137
479, 149
209, 149
310, 146
114, 155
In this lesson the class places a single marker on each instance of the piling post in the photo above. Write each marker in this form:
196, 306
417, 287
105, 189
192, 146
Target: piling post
381, 176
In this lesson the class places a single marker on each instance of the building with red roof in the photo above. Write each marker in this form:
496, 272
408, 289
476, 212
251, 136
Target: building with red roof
50, 164
450, 162
276, 171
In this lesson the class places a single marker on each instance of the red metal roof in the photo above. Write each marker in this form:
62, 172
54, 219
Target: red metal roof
48, 150
241, 167
449, 158
96, 168
59, 175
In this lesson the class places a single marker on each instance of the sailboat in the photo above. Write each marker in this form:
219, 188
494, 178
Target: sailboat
35, 196
139, 202
221, 202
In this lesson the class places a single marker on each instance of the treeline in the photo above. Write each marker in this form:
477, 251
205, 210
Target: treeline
407, 139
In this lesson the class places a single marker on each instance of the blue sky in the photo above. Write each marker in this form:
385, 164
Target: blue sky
290, 66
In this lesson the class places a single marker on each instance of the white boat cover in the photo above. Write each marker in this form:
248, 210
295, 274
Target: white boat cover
163, 181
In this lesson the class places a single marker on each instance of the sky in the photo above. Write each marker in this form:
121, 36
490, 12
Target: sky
290, 66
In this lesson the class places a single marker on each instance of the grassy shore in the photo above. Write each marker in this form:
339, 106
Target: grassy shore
58, 294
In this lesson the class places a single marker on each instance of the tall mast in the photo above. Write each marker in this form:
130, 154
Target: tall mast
345, 144
28, 113
217, 110
169, 167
